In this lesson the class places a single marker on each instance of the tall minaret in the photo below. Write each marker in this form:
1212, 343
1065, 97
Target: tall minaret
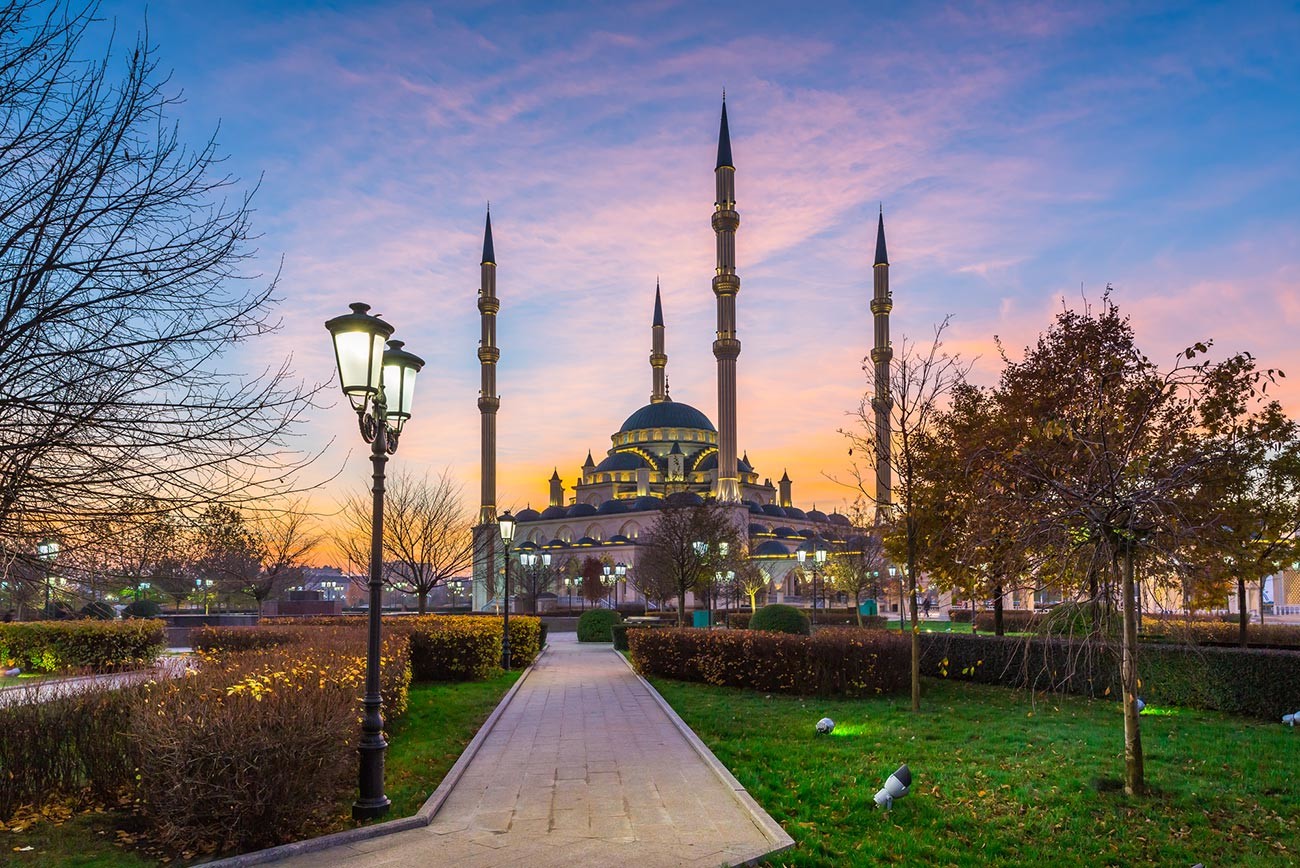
881, 354
726, 284
488, 355
658, 358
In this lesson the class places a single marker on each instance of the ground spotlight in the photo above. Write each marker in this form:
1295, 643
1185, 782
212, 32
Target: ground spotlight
1291, 719
825, 726
895, 787
1140, 704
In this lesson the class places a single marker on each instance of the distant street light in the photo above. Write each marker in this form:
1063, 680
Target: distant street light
380, 384
507, 524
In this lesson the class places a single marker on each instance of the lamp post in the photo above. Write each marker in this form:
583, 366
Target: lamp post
379, 382
607, 579
533, 561
620, 575
47, 550
894, 571
702, 549
507, 524
819, 558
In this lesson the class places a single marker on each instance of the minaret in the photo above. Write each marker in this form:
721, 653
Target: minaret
784, 499
658, 358
726, 284
488, 355
881, 355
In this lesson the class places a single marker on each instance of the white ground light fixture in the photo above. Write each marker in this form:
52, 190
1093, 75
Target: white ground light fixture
895, 787
1288, 719
825, 726
1140, 704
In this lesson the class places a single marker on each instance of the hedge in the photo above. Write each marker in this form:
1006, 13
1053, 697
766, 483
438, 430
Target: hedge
833, 662
100, 646
1221, 633
594, 625
1251, 682
1013, 621
469, 651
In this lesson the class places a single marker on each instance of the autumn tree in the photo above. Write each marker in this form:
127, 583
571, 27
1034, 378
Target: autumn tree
227, 555
917, 388
122, 253
285, 538
856, 570
428, 534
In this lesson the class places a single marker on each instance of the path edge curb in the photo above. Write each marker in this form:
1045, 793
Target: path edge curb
421, 818
770, 828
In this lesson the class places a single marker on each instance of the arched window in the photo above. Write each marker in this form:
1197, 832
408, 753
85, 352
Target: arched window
630, 529
565, 533
595, 532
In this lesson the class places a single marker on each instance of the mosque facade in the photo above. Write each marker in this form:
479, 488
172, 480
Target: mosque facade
668, 449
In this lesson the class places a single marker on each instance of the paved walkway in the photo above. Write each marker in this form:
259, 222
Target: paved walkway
583, 768
45, 689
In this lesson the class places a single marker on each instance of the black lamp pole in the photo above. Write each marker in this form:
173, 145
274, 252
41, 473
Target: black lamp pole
364, 365
507, 526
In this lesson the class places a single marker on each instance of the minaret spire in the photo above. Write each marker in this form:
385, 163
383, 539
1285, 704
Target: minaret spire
658, 358
726, 285
488, 355
882, 302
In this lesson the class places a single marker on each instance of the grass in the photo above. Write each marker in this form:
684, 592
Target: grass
1004, 778
934, 626
424, 743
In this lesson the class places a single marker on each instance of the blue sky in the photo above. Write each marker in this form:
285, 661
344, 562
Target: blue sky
1023, 153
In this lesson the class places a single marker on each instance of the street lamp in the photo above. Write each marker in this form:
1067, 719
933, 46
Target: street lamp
507, 524
819, 558
607, 579
47, 550
533, 561
380, 384
620, 575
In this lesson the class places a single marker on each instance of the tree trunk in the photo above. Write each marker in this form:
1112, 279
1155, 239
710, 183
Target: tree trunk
857, 606
999, 628
681, 607
424, 601
1134, 779
916, 629
1243, 615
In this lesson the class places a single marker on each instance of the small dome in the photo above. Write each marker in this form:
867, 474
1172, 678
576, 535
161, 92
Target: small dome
771, 547
758, 530
554, 512
836, 518
646, 502
754, 507
621, 461
525, 546
527, 514
783, 531
612, 507
816, 515
667, 414
618, 539
556, 544
773, 509
683, 498
856, 543
795, 512
587, 541
578, 510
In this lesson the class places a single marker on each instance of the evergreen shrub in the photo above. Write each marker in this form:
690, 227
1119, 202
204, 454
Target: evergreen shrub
780, 618
833, 662
100, 646
1250, 682
1013, 621
594, 626
142, 609
98, 610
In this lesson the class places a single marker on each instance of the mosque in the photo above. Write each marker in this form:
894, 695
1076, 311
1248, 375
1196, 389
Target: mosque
669, 449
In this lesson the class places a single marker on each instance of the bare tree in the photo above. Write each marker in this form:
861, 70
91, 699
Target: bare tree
857, 569
285, 538
428, 536
670, 552
121, 292
919, 385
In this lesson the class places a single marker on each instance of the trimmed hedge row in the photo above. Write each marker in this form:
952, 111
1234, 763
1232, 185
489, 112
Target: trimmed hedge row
1250, 682
833, 662
1013, 621
740, 620
100, 646
1222, 633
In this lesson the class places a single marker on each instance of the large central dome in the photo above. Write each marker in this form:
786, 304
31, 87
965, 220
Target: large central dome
667, 414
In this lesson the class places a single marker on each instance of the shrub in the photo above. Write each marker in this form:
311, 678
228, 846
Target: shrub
101, 646
456, 649
1220, 633
833, 662
72, 748
594, 625
618, 634
222, 640
780, 618
1013, 621
142, 609
961, 616
98, 610
248, 751
1251, 682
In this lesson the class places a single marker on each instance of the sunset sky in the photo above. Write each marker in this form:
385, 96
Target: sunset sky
1022, 154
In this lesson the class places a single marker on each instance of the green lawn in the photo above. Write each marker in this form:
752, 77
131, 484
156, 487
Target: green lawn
423, 745
934, 626
1001, 778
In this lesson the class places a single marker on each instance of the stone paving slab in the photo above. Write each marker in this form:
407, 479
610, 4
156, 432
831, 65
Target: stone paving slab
583, 767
